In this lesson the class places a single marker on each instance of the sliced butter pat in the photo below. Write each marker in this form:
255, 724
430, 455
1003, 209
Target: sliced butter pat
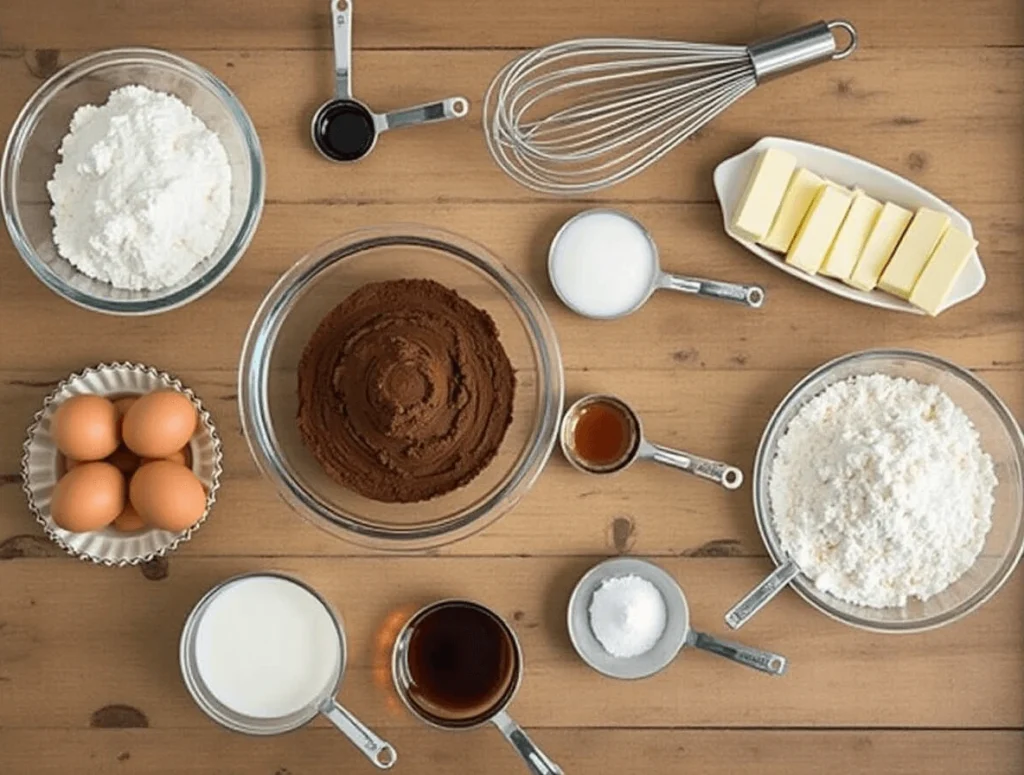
765, 189
803, 187
940, 273
819, 229
888, 229
852, 237
923, 234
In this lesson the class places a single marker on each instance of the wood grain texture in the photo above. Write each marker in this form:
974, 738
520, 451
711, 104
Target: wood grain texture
319, 751
88, 662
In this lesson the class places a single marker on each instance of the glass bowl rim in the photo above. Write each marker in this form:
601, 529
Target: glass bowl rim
25, 124
259, 344
801, 584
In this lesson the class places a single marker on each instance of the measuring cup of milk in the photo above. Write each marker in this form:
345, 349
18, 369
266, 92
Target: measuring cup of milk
603, 264
264, 654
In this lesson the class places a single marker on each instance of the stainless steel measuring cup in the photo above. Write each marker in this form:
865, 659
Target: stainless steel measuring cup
344, 129
748, 295
378, 751
535, 759
677, 635
728, 476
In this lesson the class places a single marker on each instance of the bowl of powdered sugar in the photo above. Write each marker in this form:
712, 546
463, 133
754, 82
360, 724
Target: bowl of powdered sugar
132, 182
893, 479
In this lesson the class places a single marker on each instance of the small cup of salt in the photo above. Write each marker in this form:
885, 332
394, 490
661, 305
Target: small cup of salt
628, 618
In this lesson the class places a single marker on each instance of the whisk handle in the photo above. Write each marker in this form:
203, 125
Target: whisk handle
799, 49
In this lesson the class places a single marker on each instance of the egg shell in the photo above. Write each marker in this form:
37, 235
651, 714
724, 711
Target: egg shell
85, 428
89, 497
167, 495
69, 463
159, 424
123, 404
182, 457
124, 460
128, 521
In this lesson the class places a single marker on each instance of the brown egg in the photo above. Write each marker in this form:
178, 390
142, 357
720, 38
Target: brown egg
69, 463
182, 457
124, 460
128, 521
123, 404
167, 495
85, 427
159, 424
89, 497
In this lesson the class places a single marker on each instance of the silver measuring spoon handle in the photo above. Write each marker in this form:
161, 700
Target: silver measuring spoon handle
729, 477
341, 23
765, 661
378, 751
536, 761
453, 107
749, 295
760, 595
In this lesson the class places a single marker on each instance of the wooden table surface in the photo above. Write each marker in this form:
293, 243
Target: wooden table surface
88, 668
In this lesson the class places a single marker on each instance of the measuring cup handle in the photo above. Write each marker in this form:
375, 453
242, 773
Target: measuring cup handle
729, 477
765, 661
378, 751
760, 595
536, 761
453, 107
749, 295
341, 24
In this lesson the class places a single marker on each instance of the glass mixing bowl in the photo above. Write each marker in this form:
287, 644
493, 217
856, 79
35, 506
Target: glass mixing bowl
31, 155
293, 309
1000, 438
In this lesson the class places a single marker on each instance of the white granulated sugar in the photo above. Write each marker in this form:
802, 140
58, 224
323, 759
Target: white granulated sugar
627, 615
880, 491
142, 192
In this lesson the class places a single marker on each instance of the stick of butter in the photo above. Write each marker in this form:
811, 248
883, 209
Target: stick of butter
888, 229
765, 189
803, 187
912, 254
852, 237
940, 273
819, 229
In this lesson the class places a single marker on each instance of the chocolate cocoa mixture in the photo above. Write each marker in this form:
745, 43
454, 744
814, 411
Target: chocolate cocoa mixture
405, 392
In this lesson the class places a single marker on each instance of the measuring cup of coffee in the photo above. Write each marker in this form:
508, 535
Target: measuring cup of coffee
601, 434
345, 129
603, 264
457, 665
264, 654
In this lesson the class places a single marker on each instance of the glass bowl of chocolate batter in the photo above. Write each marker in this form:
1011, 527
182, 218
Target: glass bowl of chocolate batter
401, 387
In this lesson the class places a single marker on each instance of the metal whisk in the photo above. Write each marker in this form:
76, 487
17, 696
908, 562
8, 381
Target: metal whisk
581, 115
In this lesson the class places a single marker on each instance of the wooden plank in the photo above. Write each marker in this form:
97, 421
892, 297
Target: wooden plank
647, 510
113, 636
672, 333
316, 751
455, 24
914, 124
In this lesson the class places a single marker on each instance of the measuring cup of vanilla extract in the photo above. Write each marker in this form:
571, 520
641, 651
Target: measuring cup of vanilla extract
601, 434
603, 264
457, 665
264, 654
345, 129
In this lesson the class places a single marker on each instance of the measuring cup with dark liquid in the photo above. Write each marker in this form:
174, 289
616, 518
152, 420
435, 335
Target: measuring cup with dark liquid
345, 129
457, 665
601, 434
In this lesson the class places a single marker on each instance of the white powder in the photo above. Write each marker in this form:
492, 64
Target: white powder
880, 491
627, 615
142, 192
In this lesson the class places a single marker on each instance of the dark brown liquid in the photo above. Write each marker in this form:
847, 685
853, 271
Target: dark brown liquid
603, 435
345, 131
462, 663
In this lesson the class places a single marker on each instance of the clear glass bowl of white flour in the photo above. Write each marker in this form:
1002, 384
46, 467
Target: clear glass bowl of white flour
1000, 438
31, 156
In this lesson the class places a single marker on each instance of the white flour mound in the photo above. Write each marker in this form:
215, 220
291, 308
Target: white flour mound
142, 192
880, 491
